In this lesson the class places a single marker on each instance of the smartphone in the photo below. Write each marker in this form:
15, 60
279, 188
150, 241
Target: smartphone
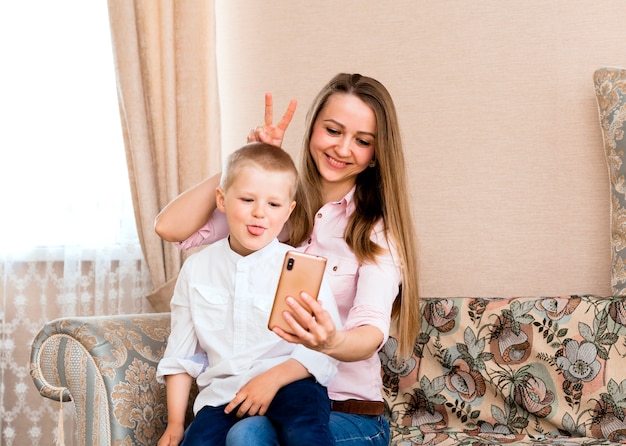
300, 272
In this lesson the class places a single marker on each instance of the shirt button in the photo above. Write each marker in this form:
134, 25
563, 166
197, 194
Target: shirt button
335, 268
319, 215
309, 241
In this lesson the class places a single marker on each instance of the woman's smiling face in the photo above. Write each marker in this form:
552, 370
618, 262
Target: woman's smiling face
342, 143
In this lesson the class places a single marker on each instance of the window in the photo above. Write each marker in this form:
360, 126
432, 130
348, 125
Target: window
63, 176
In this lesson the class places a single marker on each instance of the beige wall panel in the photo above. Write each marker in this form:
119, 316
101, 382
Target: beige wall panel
498, 113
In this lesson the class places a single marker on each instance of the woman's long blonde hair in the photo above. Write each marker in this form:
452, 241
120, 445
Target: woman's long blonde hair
381, 193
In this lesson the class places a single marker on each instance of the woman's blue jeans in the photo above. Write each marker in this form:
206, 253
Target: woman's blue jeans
347, 430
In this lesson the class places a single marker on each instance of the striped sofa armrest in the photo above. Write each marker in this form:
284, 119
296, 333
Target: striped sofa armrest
106, 365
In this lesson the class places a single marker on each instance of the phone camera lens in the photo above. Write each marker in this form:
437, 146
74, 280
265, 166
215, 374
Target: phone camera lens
290, 263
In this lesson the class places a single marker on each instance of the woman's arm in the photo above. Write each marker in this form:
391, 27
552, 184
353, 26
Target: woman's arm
186, 213
365, 327
318, 332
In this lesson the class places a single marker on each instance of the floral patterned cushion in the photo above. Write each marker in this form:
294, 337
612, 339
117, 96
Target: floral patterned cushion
610, 88
530, 370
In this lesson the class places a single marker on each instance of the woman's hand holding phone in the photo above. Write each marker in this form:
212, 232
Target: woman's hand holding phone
316, 331
300, 273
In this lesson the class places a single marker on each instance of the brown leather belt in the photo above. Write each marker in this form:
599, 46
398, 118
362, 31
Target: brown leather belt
359, 407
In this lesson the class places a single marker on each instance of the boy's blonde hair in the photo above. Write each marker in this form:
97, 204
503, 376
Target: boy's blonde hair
267, 157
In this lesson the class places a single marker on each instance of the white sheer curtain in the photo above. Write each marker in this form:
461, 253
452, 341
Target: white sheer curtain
68, 241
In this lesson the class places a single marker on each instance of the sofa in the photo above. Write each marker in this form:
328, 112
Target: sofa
522, 370
526, 370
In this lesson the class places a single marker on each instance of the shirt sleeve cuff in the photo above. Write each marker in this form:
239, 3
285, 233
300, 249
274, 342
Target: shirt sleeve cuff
369, 316
321, 366
174, 366
214, 229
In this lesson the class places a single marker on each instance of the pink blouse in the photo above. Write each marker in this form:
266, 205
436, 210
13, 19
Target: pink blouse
364, 292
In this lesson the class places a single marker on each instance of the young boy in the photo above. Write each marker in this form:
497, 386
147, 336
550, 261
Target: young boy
221, 306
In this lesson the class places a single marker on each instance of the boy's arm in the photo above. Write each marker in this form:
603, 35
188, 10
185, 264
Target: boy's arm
177, 388
255, 397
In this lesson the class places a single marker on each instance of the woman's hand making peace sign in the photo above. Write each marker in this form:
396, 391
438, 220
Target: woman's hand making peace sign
270, 133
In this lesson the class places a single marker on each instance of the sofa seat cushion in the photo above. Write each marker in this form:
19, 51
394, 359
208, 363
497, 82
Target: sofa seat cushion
523, 370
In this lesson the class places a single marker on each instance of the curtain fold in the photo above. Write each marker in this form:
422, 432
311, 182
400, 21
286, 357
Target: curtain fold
165, 60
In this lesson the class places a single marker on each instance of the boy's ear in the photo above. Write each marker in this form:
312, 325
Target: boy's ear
219, 199
292, 206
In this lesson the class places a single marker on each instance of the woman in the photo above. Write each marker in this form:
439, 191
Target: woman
352, 209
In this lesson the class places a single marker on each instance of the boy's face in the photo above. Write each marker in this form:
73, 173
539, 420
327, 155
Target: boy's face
257, 204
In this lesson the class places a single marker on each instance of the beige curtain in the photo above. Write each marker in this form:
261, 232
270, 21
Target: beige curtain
167, 88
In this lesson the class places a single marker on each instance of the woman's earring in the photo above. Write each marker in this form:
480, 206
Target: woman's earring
372, 163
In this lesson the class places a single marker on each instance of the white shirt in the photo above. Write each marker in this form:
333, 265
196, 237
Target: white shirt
364, 292
221, 306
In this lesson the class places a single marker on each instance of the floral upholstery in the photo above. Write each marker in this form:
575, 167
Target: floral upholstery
532, 370
610, 89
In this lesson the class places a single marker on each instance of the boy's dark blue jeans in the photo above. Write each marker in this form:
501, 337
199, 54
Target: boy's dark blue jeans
300, 413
